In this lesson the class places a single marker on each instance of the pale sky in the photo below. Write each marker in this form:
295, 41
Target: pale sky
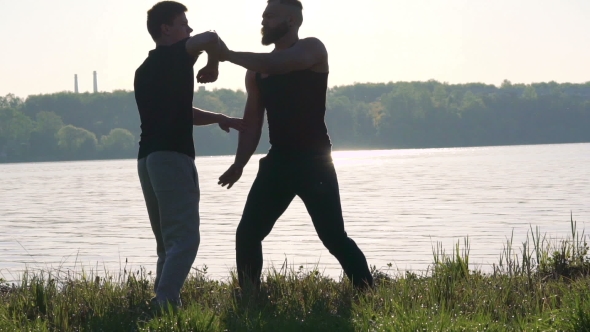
44, 43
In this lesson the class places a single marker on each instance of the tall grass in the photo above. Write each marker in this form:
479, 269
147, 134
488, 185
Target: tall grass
539, 285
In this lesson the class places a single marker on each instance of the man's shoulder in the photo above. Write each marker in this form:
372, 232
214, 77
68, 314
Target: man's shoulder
312, 44
144, 64
179, 51
311, 41
143, 68
180, 45
175, 52
166, 58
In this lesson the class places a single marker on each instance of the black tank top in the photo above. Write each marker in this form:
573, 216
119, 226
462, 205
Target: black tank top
296, 105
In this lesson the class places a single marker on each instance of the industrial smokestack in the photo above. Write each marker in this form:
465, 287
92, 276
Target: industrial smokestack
76, 83
95, 83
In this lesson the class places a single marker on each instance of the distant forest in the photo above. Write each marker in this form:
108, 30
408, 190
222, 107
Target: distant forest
68, 126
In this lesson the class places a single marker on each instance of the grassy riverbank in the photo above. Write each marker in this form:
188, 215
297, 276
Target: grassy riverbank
539, 285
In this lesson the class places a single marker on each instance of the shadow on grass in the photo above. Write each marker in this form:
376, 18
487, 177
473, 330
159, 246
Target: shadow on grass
295, 301
269, 316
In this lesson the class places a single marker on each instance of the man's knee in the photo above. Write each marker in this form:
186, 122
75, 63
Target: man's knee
193, 240
242, 233
246, 234
195, 243
187, 244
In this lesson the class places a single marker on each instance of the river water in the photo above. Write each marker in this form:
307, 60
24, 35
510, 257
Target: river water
397, 204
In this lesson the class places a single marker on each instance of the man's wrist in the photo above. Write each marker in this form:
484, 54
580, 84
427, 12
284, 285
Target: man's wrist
239, 164
229, 56
212, 63
221, 117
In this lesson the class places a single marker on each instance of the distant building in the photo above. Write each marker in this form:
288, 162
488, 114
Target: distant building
95, 82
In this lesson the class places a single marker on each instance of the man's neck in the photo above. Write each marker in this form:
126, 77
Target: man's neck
286, 42
164, 42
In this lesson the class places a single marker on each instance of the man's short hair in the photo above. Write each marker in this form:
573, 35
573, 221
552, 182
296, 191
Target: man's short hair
293, 3
163, 12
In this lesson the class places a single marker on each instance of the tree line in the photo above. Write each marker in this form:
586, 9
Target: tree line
69, 126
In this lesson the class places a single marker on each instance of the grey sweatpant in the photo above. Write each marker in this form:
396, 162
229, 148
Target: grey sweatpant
170, 185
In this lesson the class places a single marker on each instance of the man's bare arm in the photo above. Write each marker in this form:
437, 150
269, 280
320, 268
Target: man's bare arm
249, 138
210, 43
204, 118
253, 119
305, 54
203, 42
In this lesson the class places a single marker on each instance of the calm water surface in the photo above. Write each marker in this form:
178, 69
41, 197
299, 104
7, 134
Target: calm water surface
397, 205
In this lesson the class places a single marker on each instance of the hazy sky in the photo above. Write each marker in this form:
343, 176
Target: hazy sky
45, 43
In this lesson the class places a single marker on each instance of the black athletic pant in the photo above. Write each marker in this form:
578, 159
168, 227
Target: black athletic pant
313, 179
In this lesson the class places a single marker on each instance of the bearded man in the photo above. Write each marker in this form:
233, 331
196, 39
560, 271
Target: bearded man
290, 83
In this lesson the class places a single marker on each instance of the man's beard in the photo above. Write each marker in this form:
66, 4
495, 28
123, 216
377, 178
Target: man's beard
271, 35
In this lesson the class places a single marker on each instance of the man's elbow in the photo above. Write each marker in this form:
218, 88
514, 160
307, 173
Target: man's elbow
211, 40
251, 135
253, 129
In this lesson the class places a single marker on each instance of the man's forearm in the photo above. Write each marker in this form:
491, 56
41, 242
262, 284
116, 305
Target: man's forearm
258, 62
213, 54
247, 144
213, 60
203, 118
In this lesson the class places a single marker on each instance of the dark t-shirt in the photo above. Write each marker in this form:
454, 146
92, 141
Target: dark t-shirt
164, 89
295, 104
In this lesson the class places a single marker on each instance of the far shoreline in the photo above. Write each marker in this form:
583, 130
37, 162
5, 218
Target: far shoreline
335, 150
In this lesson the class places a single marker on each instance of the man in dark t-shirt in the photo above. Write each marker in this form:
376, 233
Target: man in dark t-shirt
290, 84
164, 88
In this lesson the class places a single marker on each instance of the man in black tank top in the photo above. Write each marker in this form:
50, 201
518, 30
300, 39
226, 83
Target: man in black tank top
290, 83
164, 88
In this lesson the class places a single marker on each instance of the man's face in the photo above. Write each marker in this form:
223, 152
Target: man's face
179, 29
275, 23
